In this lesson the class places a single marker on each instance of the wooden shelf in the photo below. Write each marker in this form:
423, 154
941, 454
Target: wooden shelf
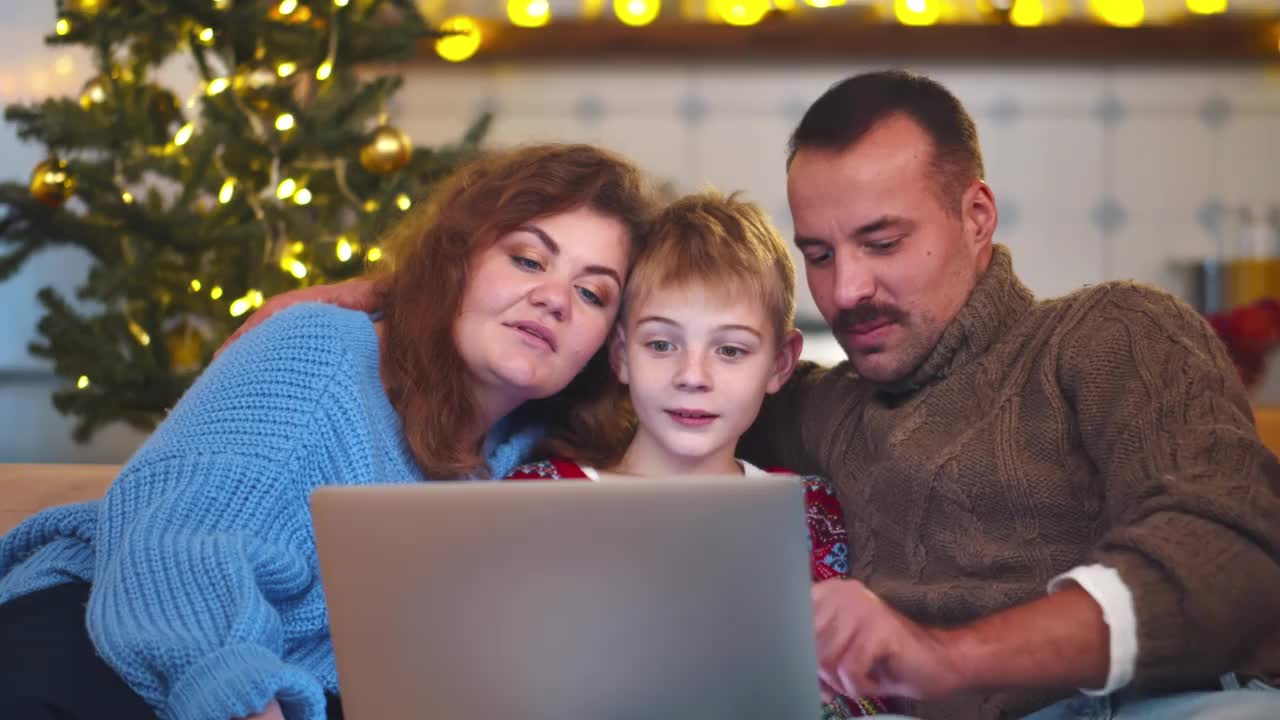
1209, 40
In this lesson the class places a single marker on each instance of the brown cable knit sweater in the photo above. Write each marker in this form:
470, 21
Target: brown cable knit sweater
1106, 426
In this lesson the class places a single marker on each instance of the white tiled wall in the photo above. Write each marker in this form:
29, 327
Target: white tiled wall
1100, 172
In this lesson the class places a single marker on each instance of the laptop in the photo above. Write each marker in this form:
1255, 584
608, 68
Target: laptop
566, 600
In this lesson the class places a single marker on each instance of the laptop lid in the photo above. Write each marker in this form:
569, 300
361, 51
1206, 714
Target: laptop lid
678, 598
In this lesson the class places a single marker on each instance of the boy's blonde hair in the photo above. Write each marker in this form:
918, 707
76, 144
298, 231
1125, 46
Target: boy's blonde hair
720, 242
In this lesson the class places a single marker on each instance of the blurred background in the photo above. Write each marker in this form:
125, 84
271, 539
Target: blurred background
1153, 157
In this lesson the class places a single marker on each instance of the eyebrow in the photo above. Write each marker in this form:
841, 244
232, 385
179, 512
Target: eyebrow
719, 328
554, 248
881, 223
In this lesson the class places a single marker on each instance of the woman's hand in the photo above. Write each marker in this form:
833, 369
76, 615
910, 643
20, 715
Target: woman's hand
353, 295
273, 712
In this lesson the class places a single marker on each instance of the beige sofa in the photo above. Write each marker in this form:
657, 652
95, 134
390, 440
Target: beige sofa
25, 489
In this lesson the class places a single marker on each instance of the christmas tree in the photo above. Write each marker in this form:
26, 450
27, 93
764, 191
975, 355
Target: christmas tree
278, 170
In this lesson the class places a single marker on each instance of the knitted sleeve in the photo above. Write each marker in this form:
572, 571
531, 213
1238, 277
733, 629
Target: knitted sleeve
204, 540
1191, 493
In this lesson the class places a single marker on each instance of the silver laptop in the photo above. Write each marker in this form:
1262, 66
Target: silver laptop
680, 598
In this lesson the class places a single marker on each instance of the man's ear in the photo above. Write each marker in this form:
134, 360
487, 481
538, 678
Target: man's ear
618, 354
979, 214
785, 361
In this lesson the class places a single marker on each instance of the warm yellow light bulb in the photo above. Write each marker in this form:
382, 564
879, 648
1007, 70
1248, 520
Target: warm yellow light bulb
1121, 13
1027, 13
184, 134
240, 306
195, 285
324, 71
83, 382
462, 41
344, 249
302, 197
1207, 7
216, 292
143, 338
341, 3
917, 12
285, 69
297, 269
255, 296
286, 188
63, 26
288, 6
528, 13
205, 36
636, 12
403, 201
228, 191
216, 86
127, 197
823, 3
374, 254
284, 121
742, 12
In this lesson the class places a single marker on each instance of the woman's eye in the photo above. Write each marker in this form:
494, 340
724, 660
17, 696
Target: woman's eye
591, 297
659, 346
732, 352
525, 263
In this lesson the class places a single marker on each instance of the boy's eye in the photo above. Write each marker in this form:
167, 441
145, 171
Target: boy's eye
660, 346
731, 352
525, 263
590, 297
817, 257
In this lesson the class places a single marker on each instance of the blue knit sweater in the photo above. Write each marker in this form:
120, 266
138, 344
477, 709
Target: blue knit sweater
206, 589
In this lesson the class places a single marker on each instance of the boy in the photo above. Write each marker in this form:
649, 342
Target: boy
704, 333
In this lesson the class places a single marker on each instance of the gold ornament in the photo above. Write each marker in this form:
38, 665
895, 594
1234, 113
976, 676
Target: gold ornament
388, 151
52, 182
86, 7
95, 92
185, 345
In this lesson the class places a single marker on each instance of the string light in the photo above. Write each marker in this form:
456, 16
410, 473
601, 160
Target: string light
288, 6
195, 285
286, 188
221, 4
293, 266
216, 292
127, 197
285, 69
341, 3
324, 71
205, 36
1207, 7
63, 26
83, 382
217, 86
284, 121
917, 12
824, 3
302, 197
1121, 13
139, 334
371, 205
636, 12
1027, 13
256, 297
344, 249
742, 12
403, 202
374, 254
184, 134
228, 191
529, 13
240, 306
462, 40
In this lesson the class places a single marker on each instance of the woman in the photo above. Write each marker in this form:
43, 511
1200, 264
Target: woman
199, 565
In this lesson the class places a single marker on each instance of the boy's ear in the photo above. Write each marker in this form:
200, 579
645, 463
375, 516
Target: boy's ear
618, 354
785, 362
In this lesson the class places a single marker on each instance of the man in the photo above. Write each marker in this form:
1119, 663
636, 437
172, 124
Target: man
1040, 495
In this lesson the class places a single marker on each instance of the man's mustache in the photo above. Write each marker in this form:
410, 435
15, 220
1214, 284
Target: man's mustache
866, 313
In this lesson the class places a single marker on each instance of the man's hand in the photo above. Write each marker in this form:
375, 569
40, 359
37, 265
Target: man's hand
866, 647
353, 295
273, 712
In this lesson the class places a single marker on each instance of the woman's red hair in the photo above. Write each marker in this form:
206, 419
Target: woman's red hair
430, 257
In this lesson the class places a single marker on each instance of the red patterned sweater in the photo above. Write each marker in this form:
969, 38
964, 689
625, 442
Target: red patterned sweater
829, 548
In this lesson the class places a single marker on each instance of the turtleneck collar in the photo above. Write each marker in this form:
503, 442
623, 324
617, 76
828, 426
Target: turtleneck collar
995, 304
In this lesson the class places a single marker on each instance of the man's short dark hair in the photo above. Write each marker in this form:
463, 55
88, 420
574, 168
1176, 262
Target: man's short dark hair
852, 107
